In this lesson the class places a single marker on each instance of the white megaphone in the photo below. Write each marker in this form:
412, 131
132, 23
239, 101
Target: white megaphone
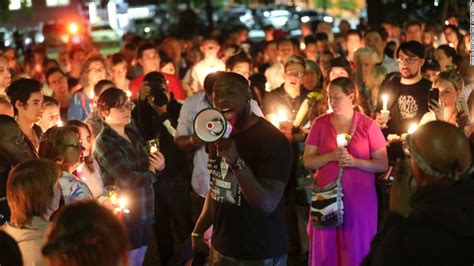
210, 125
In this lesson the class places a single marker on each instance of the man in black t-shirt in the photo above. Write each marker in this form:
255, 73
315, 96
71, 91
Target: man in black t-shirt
407, 94
249, 172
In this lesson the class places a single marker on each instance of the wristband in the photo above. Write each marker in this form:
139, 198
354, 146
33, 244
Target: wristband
193, 234
238, 165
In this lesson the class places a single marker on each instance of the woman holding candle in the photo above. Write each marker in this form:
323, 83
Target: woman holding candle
450, 85
364, 155
124, 160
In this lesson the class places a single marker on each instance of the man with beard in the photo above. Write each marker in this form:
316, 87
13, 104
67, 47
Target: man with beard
249, 172
431, 214
13, 150
407, 95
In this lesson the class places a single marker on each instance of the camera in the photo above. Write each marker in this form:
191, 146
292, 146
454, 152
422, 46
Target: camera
157, 93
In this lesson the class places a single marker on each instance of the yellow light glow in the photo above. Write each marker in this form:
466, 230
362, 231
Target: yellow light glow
412, 128
73, 28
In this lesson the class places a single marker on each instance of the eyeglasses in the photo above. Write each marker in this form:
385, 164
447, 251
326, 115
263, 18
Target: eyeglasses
407, 60
126, 107
295, 74
58, 81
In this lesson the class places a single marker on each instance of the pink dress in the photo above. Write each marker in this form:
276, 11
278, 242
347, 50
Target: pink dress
349, 243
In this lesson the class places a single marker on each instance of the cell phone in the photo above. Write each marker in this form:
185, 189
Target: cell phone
433, 95
461, 105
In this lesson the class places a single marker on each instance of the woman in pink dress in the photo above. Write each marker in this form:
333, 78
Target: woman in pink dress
365, 155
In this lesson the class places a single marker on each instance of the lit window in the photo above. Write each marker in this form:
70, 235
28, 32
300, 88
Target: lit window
50, 3
17, 4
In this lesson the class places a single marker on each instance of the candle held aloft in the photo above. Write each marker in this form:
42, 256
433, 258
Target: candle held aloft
385, 102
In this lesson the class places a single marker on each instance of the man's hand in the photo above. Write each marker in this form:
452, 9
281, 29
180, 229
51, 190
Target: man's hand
400, 192
379, 119
144, 91
227, 150
287, 129
199, 246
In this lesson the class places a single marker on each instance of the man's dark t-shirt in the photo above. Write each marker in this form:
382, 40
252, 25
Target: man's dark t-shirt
240, 230
278, 99
407, 105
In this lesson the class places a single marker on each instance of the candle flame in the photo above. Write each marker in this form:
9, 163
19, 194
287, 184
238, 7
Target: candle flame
60, 123
341, 140
282, 117
91, 95
122, 204
267, 86
384, 101
412, 129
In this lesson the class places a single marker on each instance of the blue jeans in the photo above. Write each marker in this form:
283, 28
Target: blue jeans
217, 259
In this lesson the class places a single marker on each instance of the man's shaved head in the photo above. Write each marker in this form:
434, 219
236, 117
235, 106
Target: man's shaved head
443, 147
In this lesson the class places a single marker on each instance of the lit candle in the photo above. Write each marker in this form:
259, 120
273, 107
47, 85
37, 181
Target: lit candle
268, 86
385, 102
60, 123
153, 149
122, 206
341, 140
273, 118
129, 94
302, 45
91, 95
282, 117
412, 128
79, 171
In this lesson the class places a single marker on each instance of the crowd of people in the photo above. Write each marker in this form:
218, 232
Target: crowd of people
100, 163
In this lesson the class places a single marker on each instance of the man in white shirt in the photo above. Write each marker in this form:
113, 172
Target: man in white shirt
209, 47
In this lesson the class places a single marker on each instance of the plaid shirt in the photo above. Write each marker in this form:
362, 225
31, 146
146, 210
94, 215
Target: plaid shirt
126, 165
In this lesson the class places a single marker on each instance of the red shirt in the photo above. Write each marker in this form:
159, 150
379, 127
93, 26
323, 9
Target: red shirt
135, 86
175, 86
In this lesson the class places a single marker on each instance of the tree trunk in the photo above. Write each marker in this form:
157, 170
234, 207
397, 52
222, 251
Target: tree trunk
374, 12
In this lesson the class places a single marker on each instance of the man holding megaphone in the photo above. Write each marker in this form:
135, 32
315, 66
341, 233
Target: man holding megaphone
249, 171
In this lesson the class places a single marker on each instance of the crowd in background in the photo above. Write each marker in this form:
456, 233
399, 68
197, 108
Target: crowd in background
77, 129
